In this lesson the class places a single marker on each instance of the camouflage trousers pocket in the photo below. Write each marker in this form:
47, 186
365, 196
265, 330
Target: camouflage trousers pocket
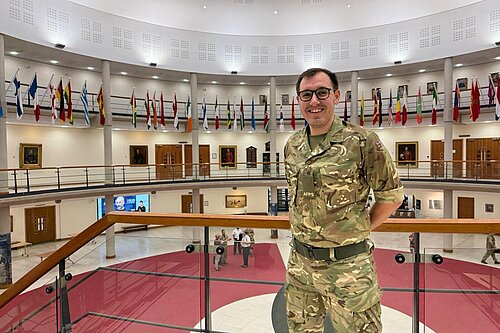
362, 301
368, 321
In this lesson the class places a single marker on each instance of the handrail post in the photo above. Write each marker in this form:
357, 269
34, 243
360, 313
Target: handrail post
123, 174
15, 181
65, 314
58, 178
149, 174
113, 174
27, 180
87, 176
416, 284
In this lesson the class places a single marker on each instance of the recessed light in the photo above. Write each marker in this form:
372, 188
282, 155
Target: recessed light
359, 78
90, 68
497, 58
242, 83
459, 65
269, 83
348, 6
155, 77
123, 73
204, 6
13, 52
275, 12
213, 82
185, 80
54, 62
388, 74
421, 70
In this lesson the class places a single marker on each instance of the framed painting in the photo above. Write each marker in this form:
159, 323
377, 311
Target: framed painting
462, 83
285, 99
262, 99
348, 95
30, 155
494, 78
236, 201
227, 157
401, 90
407, 154
138, 155
430, 87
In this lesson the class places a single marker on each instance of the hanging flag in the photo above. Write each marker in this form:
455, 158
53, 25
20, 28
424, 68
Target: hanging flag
379, 96
53, 103
282, 120
216, 110
148, 110
419, 106
266, 117
234, 113
189, 116
398, 108
389, 109
471, 104
491, 93
60, 99
33, 91
292, 122
434, 105
176, 114
102, 112
204, 114
17, 94
456, 103
253, 114
376, 114
242, 114
85, 103
1, 108
228, 121
133, 104
345, 106
404, 111
162, 111
155, 115
362, 113
476, 104
497, 102
69, 103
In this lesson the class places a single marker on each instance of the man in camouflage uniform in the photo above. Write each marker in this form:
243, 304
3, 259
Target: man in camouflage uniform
330, 167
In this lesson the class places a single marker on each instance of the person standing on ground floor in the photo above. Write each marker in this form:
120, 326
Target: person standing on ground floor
237, 236
246, 242
490, 249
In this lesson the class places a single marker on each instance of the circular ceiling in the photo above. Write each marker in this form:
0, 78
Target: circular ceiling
272, 17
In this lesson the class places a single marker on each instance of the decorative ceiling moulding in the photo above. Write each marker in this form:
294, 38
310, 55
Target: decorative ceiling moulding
102, 35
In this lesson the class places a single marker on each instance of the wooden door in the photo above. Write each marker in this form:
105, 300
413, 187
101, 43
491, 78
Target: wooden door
437, 158
204, 156
483, 155
465, 208
40, 223
187, 203
168, 160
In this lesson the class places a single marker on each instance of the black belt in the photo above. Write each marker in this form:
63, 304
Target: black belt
332, 253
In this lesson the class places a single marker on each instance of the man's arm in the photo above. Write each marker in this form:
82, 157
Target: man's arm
381, 211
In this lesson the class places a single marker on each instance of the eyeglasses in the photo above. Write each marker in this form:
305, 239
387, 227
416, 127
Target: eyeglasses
321, 93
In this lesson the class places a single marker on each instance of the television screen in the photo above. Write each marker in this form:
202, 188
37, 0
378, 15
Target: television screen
126, 203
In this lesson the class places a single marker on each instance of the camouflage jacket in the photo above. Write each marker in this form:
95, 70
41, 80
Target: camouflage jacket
329, 186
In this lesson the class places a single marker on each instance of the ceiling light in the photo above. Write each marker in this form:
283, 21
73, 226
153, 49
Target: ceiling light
185, 80
213, 82
54, 62
459, 65
155, 77
242, 83
90, 68
421, 70
388, 74
60, 46
348, 6
123, 73
275, 12
13, 52
204, 6
497, 58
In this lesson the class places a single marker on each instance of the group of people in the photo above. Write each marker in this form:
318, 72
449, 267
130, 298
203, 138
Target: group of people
243, 244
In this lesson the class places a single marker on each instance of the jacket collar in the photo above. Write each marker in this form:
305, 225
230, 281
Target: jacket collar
334, 135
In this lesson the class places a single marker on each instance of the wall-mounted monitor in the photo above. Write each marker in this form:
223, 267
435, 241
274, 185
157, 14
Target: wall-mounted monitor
125, 203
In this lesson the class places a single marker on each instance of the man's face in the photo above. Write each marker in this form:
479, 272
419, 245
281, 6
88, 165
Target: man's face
318, 113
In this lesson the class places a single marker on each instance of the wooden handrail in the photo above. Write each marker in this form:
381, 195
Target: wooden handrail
480, 226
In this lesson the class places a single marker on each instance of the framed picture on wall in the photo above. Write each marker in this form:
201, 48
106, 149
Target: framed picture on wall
30, 155
407, 154
236, 201
285, 99
401, 90
262, 99
138, 155
227, 157
348, 95
494, 78
462, 83
431, 86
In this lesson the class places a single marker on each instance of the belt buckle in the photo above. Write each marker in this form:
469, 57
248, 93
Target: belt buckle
332, 254
310, 251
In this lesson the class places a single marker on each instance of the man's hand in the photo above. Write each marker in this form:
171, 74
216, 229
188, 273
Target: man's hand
381, 211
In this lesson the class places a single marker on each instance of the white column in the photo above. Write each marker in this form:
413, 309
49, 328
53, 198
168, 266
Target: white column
195, 150
354, 98
448, 148
272, 124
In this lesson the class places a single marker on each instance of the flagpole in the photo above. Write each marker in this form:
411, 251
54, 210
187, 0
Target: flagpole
9, 87
31, 82
47, 88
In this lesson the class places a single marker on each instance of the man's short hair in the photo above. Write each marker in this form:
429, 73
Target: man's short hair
313, 71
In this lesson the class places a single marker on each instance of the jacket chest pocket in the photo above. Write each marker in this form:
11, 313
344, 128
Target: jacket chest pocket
339, 188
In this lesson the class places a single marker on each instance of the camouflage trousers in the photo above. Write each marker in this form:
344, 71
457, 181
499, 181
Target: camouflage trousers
348, 289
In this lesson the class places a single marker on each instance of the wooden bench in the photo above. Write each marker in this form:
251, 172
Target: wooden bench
45, 255
18, 244
135, 227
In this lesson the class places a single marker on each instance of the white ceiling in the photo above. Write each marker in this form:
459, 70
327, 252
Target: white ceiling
257, 17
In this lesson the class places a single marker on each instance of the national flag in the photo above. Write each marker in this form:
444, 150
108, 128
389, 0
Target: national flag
204, 114
133, 104
85, 103
234, 113
53, 103
362, 113
419, 106
266, 117
434, 105
345, 106
242, 115
379, 96
228, 120
189, 126
102, 112
389, 109
1, 108
477, 102
155, 115
282, 120
148, 110
69, 103
33, 91
292, 122
497, 102
491, 92
404, 111
216, 110
162, 111
176, 114
471, 104
375, 109
398, 108
253, 114
456, 103
17, 94
60, 99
